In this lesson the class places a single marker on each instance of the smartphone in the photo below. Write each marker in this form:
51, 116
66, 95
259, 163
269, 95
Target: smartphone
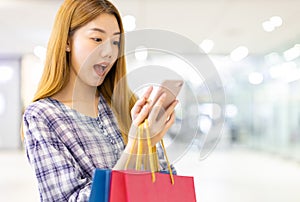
171, 88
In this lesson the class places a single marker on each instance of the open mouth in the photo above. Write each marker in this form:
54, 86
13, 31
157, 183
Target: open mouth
100, 68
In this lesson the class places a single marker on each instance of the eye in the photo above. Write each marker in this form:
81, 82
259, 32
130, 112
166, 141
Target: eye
117, 43
97, 39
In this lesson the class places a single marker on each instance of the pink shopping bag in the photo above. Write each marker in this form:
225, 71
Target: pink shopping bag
136, 186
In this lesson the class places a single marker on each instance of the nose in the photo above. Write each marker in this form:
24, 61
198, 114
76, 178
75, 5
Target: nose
106, 50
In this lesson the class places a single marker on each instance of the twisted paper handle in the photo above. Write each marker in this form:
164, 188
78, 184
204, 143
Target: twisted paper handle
153, 159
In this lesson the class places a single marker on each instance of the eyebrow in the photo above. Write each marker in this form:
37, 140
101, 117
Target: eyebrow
103, 31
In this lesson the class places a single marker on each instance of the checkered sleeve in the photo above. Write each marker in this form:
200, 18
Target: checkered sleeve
59, 176
163, 162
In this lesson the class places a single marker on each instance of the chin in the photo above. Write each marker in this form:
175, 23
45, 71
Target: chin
99, 82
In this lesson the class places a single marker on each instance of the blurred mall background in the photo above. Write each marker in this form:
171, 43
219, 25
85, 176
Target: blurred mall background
255, 47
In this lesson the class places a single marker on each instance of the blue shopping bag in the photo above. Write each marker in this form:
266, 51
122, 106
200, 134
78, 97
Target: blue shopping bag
100, 186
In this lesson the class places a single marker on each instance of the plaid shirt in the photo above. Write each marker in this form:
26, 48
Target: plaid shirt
64, 147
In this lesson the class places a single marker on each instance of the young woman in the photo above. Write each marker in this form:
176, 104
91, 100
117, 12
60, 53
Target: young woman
79, 120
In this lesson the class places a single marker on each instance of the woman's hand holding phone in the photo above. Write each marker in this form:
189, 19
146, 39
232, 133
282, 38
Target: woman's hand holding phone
160, 114
161, 119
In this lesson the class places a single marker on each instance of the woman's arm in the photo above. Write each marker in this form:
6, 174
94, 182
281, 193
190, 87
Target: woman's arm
59, 175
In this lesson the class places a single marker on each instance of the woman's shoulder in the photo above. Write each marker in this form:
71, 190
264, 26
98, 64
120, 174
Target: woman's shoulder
42, 108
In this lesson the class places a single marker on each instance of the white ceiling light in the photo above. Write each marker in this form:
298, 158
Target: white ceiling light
272, 23
255, 78
276, 21
268, 26
6, 73
129, 23
207, 45
231, 110
292, 53
239, 53
293, 76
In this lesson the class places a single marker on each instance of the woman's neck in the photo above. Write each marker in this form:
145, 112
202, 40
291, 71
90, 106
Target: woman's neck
79, 96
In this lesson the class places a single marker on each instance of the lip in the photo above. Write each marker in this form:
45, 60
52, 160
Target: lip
101, 68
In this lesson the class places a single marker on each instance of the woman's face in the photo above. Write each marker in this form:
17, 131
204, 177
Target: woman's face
94, 48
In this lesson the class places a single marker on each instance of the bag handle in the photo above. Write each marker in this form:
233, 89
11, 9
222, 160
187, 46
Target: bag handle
168, 163
139, 149
150, 151
153, 159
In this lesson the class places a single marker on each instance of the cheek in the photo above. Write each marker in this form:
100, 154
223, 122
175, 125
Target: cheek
115, 54
79, 53
79, 57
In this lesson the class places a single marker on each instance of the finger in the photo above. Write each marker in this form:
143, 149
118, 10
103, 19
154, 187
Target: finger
157, 95
138, 106
165, 115
167, 126
142, 115
148, 92
145, 96
141, 102
171, 120
170, 109
157, 107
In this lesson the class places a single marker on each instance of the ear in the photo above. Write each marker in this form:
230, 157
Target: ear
68, 48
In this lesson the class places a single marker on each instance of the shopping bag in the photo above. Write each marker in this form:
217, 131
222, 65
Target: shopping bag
100, 186
138, 185
127, 186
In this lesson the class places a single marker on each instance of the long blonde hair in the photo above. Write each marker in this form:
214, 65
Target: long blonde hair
72, 15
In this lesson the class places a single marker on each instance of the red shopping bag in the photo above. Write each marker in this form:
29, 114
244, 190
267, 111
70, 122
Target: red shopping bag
136, 186
141, 186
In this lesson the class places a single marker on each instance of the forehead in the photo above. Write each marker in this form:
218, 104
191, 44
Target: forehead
106, 22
